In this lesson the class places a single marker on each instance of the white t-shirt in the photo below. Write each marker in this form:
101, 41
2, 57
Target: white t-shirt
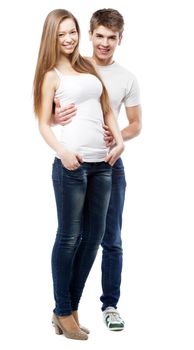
121, 85
84, 134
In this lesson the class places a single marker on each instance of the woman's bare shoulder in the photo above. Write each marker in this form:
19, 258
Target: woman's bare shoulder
51, 74
51, 78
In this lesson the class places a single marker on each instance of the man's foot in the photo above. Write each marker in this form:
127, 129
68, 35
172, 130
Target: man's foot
112, 319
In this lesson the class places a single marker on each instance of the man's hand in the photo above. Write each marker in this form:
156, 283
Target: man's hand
108, 137
63, 115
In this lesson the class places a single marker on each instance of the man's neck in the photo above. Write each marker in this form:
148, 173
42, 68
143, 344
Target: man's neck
103, 62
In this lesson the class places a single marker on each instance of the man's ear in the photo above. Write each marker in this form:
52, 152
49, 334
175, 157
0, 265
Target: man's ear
90, 35
120, 39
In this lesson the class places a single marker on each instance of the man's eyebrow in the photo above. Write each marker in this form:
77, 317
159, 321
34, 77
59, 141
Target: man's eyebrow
109, 36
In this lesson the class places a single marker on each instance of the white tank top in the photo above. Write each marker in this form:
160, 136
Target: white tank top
84, 134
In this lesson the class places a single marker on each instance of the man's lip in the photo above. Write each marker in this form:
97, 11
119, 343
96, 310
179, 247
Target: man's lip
103, 50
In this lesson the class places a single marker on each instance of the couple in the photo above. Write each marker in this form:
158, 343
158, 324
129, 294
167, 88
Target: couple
88, 175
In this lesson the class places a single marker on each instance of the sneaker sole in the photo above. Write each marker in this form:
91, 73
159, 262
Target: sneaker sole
116, 329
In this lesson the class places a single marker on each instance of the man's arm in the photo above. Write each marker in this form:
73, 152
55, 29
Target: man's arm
134, 119
131, 130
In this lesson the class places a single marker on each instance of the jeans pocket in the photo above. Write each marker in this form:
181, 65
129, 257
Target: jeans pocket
76, 173
56, 170
107, 166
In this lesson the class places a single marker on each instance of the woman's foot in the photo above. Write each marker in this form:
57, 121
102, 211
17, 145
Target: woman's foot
76, 318
66, 325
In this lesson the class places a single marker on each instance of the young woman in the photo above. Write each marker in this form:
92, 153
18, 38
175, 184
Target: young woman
83, 164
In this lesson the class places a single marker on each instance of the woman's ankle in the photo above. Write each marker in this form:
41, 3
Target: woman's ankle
69, 323
75, 316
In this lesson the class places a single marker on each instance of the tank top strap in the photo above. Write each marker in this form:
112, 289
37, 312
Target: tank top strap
58, 73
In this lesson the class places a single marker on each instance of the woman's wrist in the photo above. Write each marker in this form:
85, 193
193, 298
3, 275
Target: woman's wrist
61, 152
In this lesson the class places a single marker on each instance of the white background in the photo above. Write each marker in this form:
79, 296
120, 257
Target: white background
157, 300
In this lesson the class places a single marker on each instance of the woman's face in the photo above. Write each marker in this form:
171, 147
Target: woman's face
67, 36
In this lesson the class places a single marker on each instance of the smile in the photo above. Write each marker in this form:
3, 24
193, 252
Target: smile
68, 46
103, 50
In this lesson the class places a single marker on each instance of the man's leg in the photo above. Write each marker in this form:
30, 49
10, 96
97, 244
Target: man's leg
112, 250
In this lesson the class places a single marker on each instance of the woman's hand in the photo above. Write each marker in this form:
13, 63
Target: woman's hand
70, 160
114, 154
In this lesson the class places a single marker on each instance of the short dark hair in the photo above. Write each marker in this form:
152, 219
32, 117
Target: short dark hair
109, 18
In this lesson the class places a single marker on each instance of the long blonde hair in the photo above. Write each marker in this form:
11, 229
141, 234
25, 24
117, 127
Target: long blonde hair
49, 54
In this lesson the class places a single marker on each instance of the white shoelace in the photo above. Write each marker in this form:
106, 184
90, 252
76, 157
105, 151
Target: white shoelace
114, 317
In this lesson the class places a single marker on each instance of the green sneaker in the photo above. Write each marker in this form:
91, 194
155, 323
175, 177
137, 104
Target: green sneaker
112, 319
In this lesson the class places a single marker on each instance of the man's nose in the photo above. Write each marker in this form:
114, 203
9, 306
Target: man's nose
104, 42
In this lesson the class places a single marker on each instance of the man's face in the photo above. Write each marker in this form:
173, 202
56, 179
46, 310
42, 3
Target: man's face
104, 41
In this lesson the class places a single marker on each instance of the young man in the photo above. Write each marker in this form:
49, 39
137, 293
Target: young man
106, 28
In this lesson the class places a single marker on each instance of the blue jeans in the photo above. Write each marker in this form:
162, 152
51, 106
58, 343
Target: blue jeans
112, 254
82, 198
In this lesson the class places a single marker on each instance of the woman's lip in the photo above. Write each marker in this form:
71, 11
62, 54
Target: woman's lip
68, 46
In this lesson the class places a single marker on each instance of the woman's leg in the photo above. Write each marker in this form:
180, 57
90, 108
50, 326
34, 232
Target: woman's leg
70, 190
94, 220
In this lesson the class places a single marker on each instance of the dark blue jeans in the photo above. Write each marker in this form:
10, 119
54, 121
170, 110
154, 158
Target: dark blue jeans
112, 254
82, 199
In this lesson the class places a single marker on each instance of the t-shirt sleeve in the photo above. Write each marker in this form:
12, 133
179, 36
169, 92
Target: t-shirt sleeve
132, 97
